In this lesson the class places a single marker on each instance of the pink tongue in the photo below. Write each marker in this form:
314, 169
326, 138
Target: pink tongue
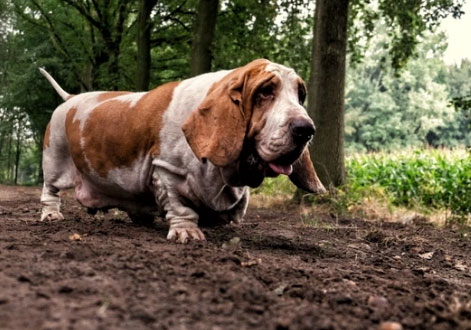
281, 169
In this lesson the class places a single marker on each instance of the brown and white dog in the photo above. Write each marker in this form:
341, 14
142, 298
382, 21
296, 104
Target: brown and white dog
185, 149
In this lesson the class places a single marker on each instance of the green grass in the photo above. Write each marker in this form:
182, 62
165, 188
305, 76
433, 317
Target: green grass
276, 186
420, 179
416, 178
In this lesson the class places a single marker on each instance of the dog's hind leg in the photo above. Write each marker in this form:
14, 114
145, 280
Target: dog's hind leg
61, 178
59, 173
51, 202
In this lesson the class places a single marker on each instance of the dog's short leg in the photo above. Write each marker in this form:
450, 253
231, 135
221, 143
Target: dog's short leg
51, 202
183, 224
182, 219
58, 168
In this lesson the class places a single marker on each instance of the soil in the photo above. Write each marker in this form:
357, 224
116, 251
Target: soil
288, 271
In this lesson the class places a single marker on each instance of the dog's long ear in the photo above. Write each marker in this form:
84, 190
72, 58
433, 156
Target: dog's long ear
304, 175
216, 129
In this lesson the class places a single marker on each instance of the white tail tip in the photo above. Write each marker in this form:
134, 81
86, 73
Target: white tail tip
62, 93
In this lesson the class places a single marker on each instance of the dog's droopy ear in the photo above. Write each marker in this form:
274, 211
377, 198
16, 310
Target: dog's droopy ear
216, 129
304, 175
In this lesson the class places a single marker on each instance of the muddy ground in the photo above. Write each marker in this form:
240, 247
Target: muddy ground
287, 272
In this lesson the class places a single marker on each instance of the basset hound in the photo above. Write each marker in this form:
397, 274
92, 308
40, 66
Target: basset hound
187, 151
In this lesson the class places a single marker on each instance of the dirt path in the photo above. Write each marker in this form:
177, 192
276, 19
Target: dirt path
284, 273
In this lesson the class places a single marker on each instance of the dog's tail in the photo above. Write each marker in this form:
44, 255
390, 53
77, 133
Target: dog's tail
62, 93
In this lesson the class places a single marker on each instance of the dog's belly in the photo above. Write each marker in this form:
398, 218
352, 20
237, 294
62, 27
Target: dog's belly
104, 195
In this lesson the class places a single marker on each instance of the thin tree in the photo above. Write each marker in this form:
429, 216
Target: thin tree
204, 33
327, 89
144, 27
18, 151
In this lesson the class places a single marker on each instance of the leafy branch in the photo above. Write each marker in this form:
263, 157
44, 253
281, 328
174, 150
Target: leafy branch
461, 103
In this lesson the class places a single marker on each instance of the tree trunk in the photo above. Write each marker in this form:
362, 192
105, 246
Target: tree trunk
327, 89
18, 152
112, 50
144, 27
9, 172
2, 138
204, 32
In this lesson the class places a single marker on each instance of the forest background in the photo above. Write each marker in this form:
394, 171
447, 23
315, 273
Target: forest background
399, 92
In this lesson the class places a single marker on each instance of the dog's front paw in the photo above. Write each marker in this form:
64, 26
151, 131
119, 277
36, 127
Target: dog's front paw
183, 235
51, 216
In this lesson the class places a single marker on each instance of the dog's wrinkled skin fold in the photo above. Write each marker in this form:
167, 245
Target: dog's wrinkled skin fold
185, 150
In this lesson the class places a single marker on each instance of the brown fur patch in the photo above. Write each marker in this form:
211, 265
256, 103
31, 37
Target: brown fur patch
47, 135
115, 135
72, 130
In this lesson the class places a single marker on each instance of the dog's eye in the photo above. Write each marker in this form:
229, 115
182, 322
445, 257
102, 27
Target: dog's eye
265, 92
301, 94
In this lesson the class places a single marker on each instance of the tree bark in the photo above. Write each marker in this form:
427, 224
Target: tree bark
201, 56
327, 89
9, 171
18, 152
2, 135
144, 27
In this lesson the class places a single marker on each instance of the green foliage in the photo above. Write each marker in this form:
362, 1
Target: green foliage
292, 46
407, 20
28, 167
460, 88
461, 102
430, 178
236, 27
458, 79
277, 30
18, 150
276, 186
384, 111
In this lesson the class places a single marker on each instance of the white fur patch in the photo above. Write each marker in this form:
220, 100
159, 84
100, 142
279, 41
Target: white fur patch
131, 98
133, 178
189, 94
280, 70
275, 134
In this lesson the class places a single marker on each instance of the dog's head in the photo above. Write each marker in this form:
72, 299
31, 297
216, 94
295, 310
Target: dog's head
252, 124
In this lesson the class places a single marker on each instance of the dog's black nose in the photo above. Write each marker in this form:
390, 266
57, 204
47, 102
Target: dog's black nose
302, 130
